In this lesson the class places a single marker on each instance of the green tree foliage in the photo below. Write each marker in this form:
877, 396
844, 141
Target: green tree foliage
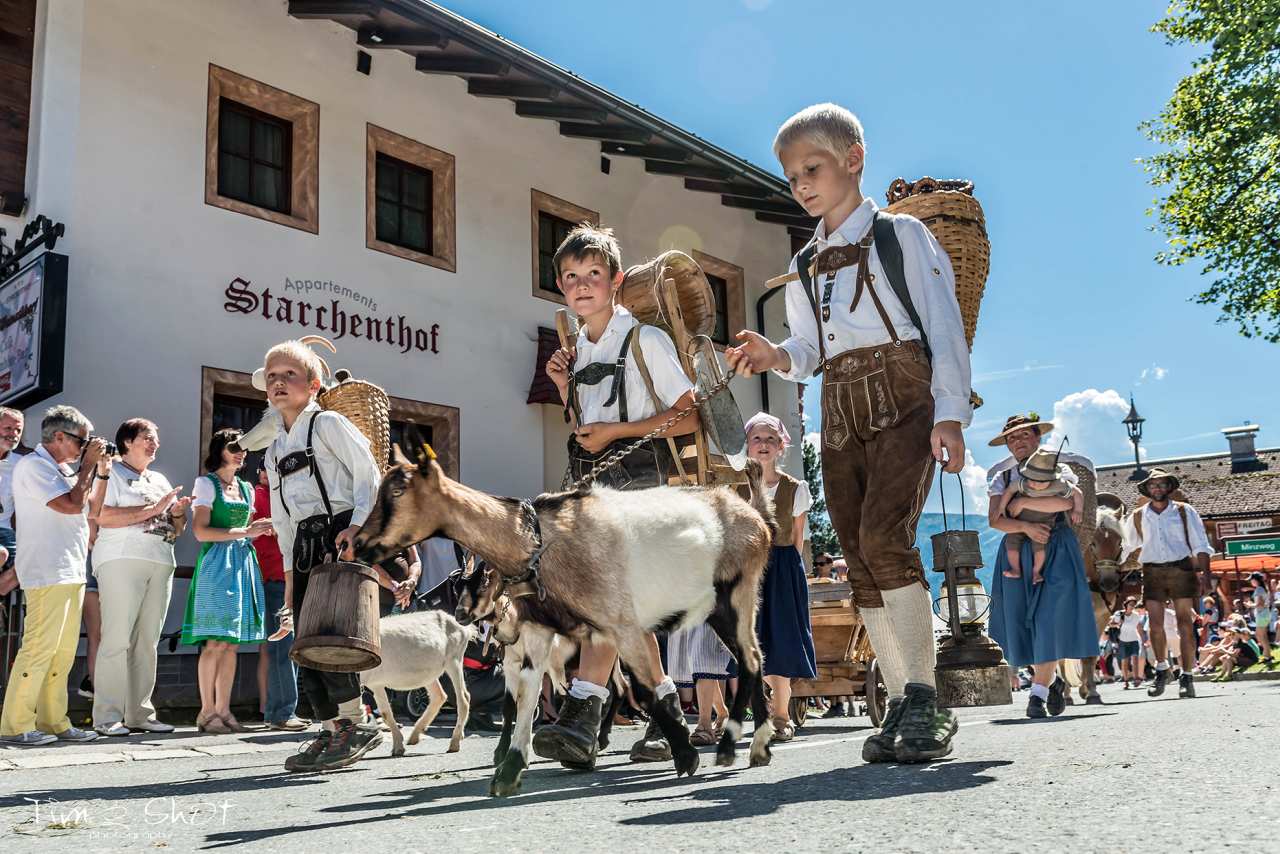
1220, 172
821, 535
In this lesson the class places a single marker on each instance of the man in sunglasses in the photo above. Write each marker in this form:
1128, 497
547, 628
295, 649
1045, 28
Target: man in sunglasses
52, 500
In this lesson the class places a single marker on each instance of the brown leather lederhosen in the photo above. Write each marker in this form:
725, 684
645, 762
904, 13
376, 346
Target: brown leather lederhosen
877, 416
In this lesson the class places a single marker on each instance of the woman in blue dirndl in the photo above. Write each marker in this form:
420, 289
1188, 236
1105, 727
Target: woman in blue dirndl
1038, 623
226, 600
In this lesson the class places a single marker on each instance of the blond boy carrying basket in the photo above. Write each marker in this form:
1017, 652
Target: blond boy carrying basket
878, 317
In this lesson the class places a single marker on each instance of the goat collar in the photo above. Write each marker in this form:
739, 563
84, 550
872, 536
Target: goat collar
528, 582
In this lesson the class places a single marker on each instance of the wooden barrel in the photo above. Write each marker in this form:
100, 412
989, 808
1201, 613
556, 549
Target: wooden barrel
640, 293
338, 627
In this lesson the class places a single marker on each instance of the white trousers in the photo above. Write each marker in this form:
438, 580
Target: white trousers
134, 597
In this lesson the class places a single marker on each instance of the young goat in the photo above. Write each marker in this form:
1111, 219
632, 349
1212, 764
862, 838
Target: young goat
530, 651
614, 566
416, 649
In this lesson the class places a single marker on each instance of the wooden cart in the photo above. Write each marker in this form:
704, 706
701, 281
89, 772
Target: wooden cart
846, 663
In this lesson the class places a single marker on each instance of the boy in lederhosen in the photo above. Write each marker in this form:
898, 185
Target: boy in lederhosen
323, 480
622, 380
878, 316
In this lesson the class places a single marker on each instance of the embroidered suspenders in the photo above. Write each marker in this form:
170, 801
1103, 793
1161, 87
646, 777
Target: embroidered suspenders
598, 372
299, 460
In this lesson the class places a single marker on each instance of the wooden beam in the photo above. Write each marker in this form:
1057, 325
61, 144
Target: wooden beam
560, 110
513, 89
649, 152
762, 206
375, 38
331, 9
704, 186
463, 66
782, 219
686, 170
616, 133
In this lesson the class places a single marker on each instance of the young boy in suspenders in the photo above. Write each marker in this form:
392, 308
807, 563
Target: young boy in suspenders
879, 318
621, 381
323, 480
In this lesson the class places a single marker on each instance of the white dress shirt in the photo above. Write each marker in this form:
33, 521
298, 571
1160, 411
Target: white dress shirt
660, 357
351, 475
1162, 540
55, 546
6, 488
931, 284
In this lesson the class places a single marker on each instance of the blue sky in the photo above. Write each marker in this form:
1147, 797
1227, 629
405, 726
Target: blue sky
1039, 105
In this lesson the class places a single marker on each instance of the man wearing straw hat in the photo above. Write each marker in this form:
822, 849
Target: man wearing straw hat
1175, 553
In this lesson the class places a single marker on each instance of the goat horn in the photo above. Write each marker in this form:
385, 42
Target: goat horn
312, 340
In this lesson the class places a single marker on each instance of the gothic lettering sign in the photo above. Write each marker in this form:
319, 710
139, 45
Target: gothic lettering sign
335, 312
33, 319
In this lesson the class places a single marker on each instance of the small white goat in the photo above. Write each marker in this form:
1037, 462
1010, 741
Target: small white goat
416, 649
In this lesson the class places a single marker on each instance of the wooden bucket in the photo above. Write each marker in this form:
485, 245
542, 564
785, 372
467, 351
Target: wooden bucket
338, 627
950, 211
640, 293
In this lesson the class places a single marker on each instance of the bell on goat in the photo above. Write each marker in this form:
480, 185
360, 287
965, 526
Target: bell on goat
971, 670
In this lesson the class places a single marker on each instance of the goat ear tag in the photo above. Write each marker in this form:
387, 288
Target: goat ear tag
425, 453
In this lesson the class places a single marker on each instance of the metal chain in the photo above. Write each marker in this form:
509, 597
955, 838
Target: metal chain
569, 485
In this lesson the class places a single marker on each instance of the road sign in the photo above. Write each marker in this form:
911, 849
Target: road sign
1253, 546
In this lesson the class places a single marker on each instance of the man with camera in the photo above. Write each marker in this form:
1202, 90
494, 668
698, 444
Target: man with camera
52, 501
1175, 557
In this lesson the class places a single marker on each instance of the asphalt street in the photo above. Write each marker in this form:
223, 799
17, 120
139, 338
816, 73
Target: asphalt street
1134, 775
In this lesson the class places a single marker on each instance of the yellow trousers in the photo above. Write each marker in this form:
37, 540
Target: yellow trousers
37, 694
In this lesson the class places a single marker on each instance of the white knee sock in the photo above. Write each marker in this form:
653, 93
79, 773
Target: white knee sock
580, 689
1041, 691
352, 710
910, 612
665, 687
884, 643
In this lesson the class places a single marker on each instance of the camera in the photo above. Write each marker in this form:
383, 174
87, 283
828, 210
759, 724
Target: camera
109, 451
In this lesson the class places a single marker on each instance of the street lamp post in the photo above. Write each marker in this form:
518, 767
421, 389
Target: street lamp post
1133, 424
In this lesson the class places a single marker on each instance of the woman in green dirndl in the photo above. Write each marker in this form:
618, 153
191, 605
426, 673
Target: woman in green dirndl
225, 605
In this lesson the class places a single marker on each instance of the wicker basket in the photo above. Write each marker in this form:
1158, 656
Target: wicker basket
954, 216
366, 406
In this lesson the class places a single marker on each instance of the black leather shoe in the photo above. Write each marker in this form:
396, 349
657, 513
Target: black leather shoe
1057, 696
572, 740
1186, 686
1035, 708
1157, 686
879, 747
654, 747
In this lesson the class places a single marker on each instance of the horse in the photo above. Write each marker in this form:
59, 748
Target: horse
1110, 580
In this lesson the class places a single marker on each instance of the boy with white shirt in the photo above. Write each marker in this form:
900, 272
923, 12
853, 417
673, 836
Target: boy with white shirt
878, 315
610, 382
323, 480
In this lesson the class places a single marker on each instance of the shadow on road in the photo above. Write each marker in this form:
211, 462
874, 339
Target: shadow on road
1061, 719
175, 789
859, 783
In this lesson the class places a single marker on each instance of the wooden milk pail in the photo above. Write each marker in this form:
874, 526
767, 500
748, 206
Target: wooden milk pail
640, 293
338, 627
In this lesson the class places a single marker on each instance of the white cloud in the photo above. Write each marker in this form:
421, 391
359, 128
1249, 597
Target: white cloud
814, 439
974, 478
1092, 421
1155, 373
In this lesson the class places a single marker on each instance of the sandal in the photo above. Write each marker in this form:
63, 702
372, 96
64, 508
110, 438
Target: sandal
702, 737
233, 724
215, 725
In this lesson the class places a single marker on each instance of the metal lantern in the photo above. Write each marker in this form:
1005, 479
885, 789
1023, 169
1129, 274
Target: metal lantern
971, 670
1133, 426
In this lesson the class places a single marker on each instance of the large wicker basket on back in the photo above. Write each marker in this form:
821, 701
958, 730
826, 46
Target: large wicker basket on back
954, 216
366, 406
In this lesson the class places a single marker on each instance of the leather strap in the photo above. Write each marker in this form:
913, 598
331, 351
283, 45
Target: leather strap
638, 354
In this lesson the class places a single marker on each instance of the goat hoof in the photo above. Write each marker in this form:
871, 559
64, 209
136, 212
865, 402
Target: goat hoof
686, 763
413, 739
506, 780
761, 758
398, 750
453, 747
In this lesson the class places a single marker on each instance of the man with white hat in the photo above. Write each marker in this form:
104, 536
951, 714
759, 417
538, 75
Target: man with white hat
1174, 551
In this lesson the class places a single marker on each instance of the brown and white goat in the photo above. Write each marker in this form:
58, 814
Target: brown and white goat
615, 566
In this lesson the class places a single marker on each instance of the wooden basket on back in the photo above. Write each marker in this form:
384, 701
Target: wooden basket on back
949, 210
672, 293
